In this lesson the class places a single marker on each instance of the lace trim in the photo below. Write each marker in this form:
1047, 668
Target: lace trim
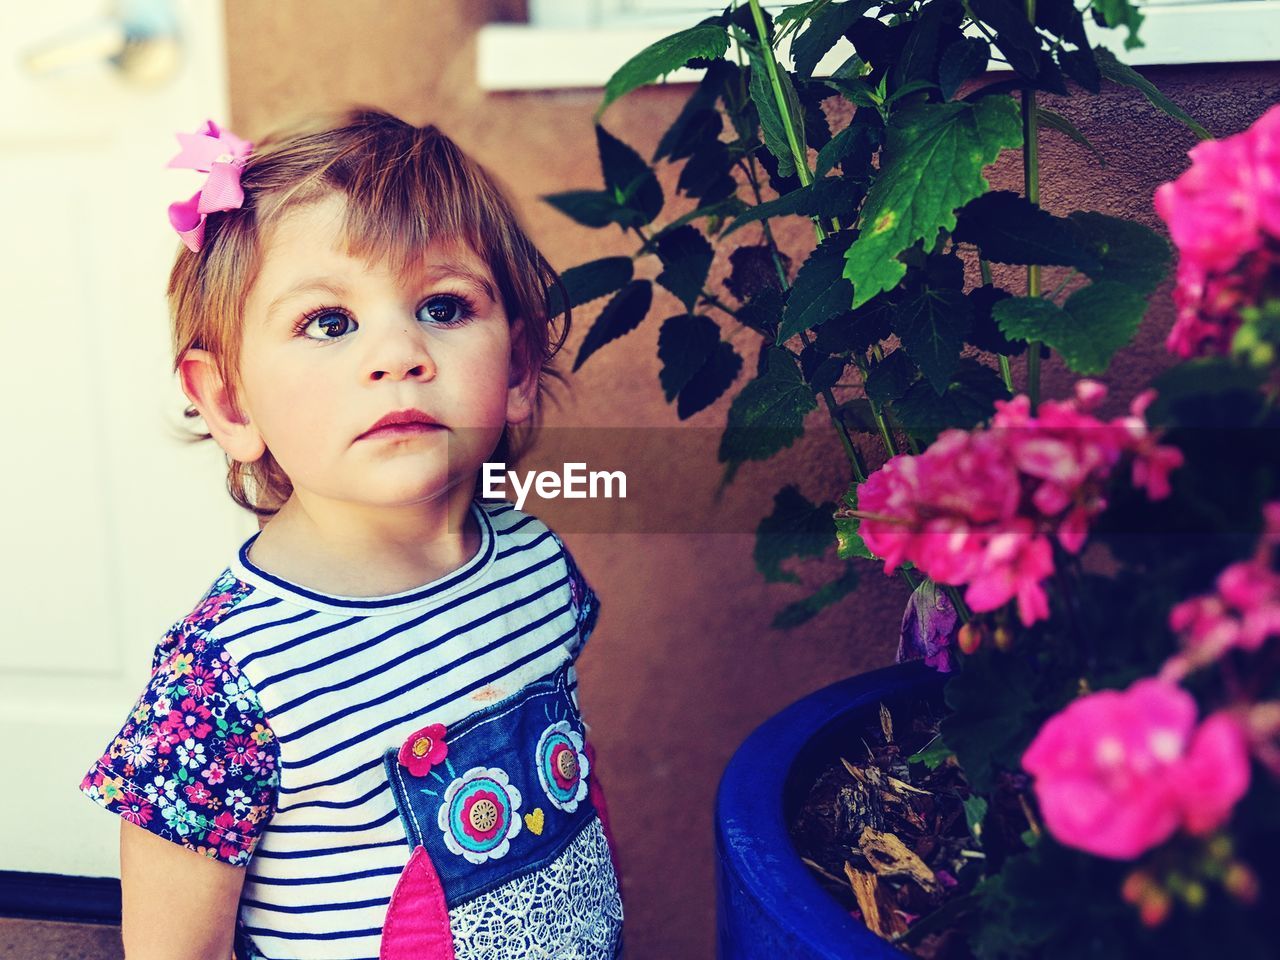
568, 910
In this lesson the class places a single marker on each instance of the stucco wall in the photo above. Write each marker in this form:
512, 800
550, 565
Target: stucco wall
683, 664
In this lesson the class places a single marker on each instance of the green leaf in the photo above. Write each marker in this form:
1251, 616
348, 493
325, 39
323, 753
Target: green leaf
1049, 120
686, 260
975, 811
771, 120
795, 528
969, 399
711, 380
934, 755
799, 11
1121, 13
993, 702
794, 614
631, 181
820, 290
621, 315
967, 57
728, 207
685, 344
932, 325
889, 379
1092, 325
1016, 38
1124, 250
591, 208
932, 165
768, 414
827, 197
849, 541
707, 41
856, 136
824, 32
1009, 228
589, 281
699, 120
1117, 72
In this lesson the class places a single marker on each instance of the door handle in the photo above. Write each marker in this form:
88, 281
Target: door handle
139, 38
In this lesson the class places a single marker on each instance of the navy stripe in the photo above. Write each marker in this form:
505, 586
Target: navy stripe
320, 907
332, 781
416, 682
334, 827
336, 878
304, 615
300, 639
240, 608
404, 658
334, 935
308, 854
341, 804
527, 546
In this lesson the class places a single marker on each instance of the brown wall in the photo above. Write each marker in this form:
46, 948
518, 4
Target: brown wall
683, 664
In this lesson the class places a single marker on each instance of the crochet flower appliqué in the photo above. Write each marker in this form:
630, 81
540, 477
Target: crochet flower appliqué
563, 766
479, 815
423, 749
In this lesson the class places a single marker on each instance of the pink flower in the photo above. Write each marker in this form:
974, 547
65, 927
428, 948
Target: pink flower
982, 508
423, 749
1118, 772
1221, 213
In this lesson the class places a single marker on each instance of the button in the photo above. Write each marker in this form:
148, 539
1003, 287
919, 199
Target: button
483, 815
422, 746
567, 764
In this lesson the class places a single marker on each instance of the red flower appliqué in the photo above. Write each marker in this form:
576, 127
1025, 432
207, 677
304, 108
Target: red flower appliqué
482, 816
423, 749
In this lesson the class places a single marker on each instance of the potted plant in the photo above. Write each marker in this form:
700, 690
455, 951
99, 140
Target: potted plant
1045, 544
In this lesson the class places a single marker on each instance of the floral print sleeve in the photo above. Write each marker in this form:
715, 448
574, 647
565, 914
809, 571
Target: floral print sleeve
196, 761
586, 605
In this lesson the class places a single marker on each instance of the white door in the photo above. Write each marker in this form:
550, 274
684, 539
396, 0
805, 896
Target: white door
110, 526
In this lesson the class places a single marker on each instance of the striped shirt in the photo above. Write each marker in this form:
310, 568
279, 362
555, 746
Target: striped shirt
260, 738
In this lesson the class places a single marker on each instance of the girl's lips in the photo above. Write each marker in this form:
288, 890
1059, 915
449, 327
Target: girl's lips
400, 430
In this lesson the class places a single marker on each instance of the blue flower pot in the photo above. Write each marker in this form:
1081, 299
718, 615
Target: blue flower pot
769, 904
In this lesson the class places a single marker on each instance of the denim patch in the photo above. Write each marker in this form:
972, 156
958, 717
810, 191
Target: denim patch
505, 797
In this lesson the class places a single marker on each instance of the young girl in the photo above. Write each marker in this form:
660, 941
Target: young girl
364, 741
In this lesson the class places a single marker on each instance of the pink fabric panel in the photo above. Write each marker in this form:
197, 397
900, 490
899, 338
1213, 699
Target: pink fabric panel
417, 925
596, 793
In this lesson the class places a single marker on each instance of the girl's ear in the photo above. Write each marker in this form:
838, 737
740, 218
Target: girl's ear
204, 387
522, 387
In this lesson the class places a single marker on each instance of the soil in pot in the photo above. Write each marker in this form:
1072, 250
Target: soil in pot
890, 827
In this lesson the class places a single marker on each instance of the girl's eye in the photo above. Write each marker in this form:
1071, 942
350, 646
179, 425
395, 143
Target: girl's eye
446, 310
334, 323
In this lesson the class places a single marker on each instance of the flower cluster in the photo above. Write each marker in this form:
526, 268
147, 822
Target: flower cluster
1118, 772
1224, 217
1241, 614
981, 508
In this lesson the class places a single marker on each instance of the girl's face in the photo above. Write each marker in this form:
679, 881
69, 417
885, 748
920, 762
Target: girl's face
332, 344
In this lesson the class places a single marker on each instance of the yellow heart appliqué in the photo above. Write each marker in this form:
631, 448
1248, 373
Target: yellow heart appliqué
534, 821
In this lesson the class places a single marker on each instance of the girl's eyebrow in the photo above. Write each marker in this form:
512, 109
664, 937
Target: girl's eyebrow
433, 272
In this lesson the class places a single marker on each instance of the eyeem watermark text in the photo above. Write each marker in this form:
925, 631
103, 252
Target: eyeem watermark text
574, 483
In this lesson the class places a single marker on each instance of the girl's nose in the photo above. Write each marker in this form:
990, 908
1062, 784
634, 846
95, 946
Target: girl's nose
401, 357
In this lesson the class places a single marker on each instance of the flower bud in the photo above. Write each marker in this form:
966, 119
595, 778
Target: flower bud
1241, 882
1004, 639
1135, 886
969, 638
1155, 907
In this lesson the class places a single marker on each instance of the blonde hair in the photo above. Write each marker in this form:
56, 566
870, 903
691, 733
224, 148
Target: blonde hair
405, 187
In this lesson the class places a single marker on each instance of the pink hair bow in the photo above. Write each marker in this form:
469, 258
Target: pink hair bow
220, 154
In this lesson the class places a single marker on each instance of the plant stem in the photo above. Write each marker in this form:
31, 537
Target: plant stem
1031, 179
766, 54
1005, 371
